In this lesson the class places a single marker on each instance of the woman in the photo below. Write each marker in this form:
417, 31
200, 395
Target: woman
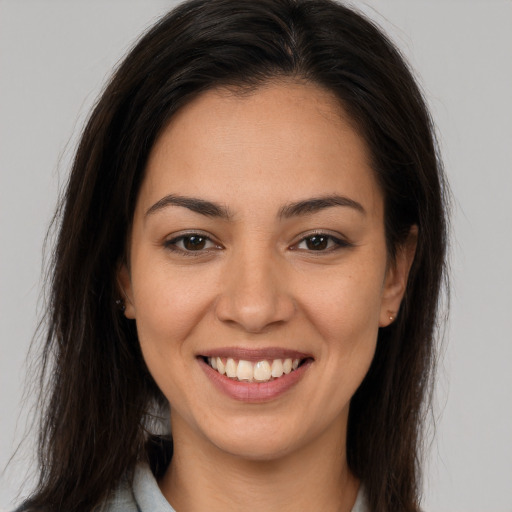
252, 238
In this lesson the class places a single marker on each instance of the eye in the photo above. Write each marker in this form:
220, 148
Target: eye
321, 242
193, 242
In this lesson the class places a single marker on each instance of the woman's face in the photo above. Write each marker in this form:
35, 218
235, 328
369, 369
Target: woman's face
258, 245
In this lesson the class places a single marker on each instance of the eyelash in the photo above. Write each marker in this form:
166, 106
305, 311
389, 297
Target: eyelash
172, 244
333, 243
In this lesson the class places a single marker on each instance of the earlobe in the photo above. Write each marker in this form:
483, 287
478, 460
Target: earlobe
396, 278
124, 284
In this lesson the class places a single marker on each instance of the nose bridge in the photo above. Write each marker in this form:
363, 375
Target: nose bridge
254, 294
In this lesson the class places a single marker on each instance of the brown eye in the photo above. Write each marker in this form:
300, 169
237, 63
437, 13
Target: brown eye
191, 243
194, 243
321, 242
317, 242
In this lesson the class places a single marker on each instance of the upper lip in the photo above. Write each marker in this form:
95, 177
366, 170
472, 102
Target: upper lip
255, 354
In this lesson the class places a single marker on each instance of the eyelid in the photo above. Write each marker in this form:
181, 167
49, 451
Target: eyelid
340, 240
171, 241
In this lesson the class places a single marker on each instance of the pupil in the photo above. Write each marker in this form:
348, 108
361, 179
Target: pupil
317, 243
194, 243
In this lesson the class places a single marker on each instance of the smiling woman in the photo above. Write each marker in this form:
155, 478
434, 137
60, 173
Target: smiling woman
258, 189
283, 268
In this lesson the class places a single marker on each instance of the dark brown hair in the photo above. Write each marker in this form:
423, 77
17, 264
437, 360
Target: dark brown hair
98, 396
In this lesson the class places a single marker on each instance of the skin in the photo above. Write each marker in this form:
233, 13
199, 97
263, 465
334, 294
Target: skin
257, 283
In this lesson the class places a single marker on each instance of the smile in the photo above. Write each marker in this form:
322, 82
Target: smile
253, 371
254, 375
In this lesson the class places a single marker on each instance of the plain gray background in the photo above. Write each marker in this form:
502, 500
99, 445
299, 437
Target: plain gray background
54, 58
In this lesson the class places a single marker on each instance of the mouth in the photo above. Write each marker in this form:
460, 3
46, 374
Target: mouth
263, 370
254, 375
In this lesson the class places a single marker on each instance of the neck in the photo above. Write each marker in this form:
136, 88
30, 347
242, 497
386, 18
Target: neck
314, 477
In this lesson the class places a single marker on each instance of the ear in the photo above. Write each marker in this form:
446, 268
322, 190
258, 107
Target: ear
124, 283
396, 278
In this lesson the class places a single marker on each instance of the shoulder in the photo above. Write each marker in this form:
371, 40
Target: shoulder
361, 504
122, 500
140, 495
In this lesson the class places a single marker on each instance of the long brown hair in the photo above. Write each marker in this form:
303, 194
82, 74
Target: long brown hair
97, 395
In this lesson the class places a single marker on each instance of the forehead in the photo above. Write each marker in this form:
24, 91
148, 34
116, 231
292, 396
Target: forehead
281, 141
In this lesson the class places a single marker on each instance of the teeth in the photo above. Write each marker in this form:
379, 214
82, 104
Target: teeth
277, 368
231, 368
261, 371
244, 371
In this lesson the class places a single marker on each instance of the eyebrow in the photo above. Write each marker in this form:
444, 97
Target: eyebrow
298, 208
315, 204
201, 206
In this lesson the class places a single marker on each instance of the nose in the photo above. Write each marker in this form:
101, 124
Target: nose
255, 293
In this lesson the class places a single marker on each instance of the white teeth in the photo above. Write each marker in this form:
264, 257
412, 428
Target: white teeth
277, 368
244, 370
261, 371
231, 368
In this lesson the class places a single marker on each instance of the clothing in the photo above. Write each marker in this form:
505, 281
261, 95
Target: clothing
144, 495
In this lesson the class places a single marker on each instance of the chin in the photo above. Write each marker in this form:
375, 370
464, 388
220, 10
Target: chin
265, 442
256, 450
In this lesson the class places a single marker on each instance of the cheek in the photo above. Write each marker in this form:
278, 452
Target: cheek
168, 306
345, 304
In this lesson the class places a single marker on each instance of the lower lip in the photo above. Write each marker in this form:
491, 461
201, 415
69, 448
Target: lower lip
254, 392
